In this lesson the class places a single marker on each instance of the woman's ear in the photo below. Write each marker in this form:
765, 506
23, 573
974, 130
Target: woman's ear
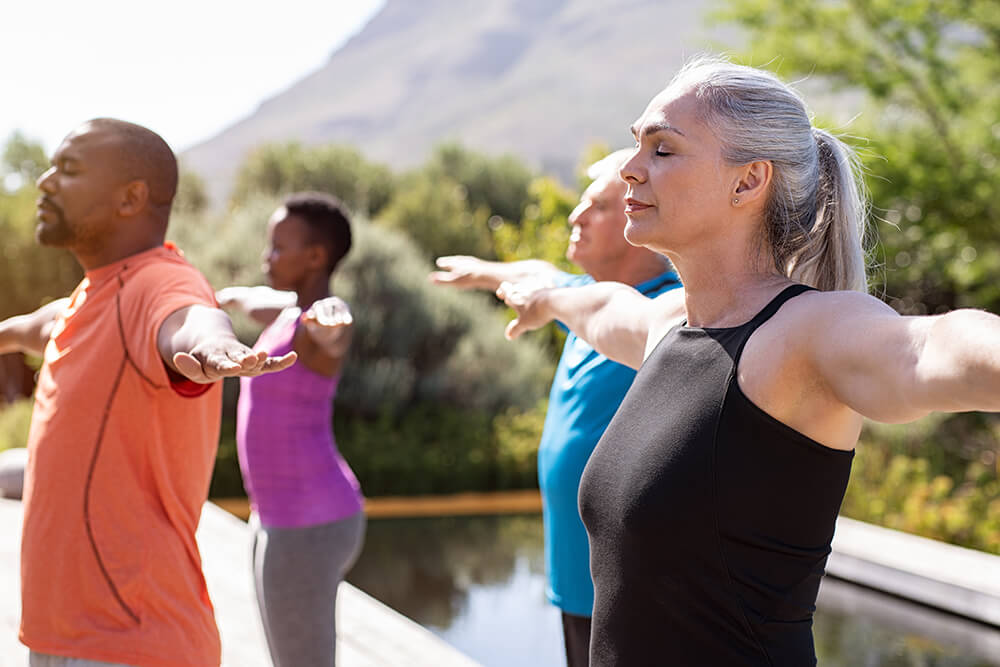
316, 256
753, 183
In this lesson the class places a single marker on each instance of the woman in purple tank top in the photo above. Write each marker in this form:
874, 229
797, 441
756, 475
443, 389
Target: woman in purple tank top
307, 506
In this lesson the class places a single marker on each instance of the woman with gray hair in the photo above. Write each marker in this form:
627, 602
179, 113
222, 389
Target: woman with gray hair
710, 501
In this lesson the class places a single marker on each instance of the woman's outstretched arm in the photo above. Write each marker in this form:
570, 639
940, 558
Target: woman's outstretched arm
614, 318
896, 369
262, 304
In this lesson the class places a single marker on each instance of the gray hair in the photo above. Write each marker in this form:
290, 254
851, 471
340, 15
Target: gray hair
610, 164
815, 217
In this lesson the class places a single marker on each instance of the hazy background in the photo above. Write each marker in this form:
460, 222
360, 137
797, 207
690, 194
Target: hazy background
184, 68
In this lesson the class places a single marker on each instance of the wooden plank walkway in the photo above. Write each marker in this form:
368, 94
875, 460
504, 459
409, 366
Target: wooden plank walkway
369, 633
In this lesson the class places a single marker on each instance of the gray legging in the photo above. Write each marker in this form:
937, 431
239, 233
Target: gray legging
296, 572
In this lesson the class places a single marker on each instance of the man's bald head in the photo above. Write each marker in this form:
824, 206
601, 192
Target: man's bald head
140, 154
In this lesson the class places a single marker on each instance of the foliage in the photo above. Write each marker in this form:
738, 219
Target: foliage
956, 501
543, 231
192, 194
31, 274
434, 448
498, 184
24, 157
281, 169
416, 343
15, 418
437, 215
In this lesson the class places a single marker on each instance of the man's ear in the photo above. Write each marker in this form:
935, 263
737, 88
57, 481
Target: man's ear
133, 198
753, 183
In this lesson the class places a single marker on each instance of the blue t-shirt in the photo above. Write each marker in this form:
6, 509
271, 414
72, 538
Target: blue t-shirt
585, 394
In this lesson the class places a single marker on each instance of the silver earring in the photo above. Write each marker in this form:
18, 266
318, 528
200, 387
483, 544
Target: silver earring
736, 200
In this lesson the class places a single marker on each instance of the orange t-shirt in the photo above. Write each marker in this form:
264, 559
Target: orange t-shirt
119, 463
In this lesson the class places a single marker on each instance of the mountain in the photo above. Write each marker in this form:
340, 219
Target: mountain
540, 79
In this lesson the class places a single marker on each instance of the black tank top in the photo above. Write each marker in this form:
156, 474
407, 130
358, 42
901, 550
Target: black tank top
710, 521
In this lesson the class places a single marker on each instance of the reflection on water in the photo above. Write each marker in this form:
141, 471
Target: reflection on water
478, 582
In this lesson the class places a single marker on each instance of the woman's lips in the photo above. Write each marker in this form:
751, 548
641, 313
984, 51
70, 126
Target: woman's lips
635, 206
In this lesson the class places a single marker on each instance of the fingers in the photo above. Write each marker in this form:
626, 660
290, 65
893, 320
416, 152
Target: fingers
442, 277
328, 313
449, 261
510, 294
189, 367
459, 271
253, 364
514, 329
275, 364
230, 363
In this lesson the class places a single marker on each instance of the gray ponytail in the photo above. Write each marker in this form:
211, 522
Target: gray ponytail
815, 217
831, 256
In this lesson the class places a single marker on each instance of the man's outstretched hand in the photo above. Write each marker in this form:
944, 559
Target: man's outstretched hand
198, 342
466, 272
213, 360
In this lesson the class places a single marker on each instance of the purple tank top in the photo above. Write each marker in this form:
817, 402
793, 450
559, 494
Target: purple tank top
292, 470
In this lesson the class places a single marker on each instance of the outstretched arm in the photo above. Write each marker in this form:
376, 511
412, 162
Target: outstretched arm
198, 343
260, 303
467, 272
29, 333
897, 369
614, 318
325, 336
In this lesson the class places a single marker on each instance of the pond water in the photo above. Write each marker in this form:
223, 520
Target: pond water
478, 583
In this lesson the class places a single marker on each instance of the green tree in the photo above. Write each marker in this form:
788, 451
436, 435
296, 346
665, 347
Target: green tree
498, 184
30, 274
24, 157
192, 194
436, 213
543, 231
280, 169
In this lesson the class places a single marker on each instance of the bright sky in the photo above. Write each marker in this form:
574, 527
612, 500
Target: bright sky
184, 68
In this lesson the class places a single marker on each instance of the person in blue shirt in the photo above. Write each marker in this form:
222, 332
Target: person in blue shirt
587, 387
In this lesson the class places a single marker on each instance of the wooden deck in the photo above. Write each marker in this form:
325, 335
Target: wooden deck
494, 502
369, 634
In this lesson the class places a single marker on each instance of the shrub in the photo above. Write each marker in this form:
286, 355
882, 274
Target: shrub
15, 419
919, 488
436, 213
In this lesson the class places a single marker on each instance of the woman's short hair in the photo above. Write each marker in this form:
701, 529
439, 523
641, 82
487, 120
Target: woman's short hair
327, 222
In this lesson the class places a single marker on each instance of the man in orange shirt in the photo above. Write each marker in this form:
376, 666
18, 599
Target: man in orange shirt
126, 417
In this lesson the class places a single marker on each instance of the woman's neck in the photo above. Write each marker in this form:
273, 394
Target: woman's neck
312, 291
723, 290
